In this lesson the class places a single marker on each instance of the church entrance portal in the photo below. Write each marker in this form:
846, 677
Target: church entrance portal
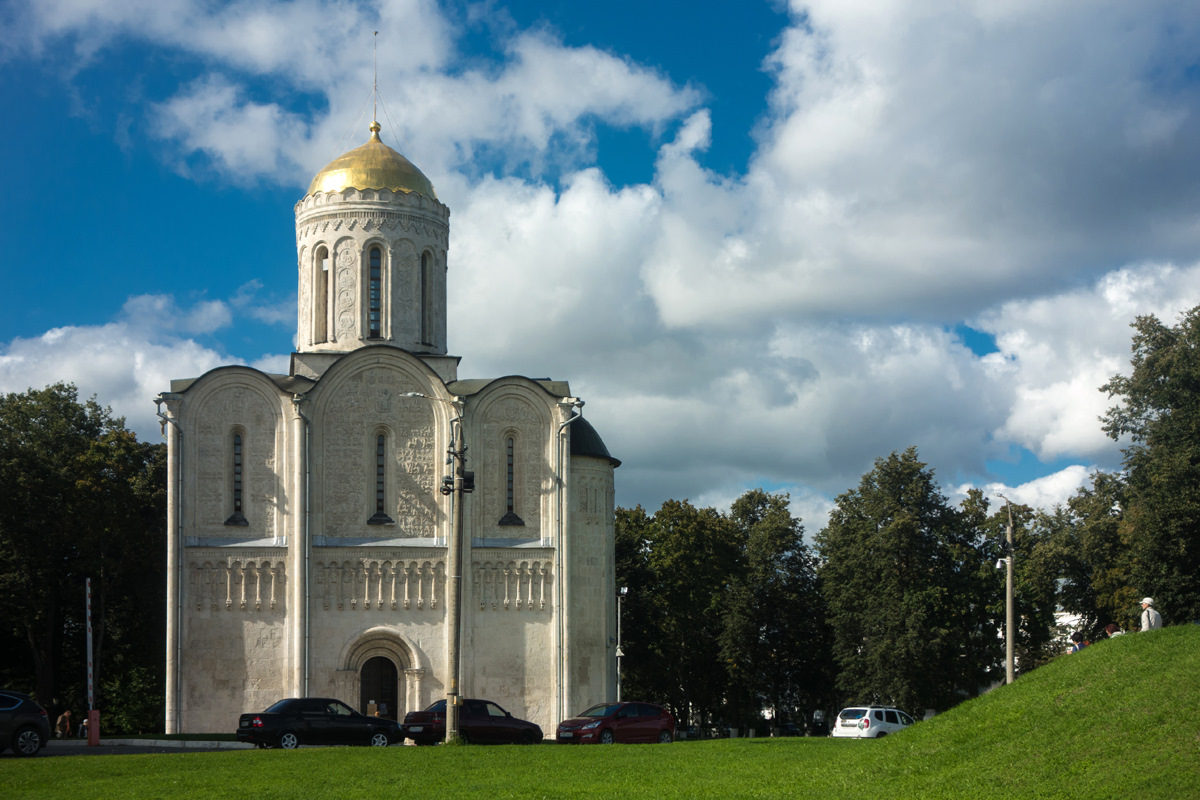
379, 687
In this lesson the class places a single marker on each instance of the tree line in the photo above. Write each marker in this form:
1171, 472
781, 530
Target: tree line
898, 600
80, 498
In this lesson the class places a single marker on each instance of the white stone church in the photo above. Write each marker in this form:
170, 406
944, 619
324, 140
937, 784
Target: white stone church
309, 538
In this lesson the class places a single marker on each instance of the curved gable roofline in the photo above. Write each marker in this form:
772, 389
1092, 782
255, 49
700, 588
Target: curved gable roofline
350, 360
181, 385
472, 386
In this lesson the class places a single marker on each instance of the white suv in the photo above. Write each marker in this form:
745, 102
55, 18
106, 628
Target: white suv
870, 722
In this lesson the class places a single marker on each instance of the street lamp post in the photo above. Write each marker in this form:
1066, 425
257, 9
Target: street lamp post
1008, 596
621, 593
458, 486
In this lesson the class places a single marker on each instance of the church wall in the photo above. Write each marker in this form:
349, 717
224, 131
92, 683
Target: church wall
512, 409
233, 652
235, 648
358, 400
360, 595
509, 615
591, 619
226, 402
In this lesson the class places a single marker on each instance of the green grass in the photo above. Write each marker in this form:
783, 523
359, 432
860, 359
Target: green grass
1119, 720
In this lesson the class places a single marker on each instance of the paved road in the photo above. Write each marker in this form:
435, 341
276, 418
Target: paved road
109, 747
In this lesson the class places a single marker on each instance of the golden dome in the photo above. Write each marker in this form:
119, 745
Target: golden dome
372, 166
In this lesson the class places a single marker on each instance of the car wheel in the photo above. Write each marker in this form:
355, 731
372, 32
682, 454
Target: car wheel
380, 739
665, 737
881, 734
27, 742
606, 737
289, 741
527, 737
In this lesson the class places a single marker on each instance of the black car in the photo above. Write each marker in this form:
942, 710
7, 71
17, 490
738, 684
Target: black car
479, 722
315, 720
24, 725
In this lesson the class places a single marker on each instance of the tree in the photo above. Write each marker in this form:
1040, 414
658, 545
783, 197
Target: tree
80, 498
693, 554
1159, 411
900, 577
774, 639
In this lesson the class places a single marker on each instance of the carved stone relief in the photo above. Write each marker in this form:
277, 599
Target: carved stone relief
512, 585
532, 475
367, 584
236, 408
347, 283
245, 583
366, 402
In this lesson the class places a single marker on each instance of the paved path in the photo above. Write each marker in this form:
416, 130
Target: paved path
108, 747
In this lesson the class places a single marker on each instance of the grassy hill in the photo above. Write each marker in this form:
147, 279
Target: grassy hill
1119, 720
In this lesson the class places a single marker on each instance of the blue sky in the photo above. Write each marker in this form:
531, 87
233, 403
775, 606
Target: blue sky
766, 242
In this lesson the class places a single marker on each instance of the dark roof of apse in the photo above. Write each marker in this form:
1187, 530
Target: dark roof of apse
585, 441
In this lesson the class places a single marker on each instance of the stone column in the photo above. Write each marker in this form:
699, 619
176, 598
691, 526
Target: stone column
298, 554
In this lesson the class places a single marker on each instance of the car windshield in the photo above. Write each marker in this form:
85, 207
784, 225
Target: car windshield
440, 705
282, 705
602, 710
852, 713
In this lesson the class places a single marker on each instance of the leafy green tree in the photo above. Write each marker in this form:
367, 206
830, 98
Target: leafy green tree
1159, 411
1092, 556
901, 579
693, 555
774, 641
80, 498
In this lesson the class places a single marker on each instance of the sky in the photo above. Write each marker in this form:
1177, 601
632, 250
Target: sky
766, 242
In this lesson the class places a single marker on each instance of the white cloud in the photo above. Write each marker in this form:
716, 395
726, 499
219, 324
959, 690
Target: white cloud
1027, 168
1045, 493
126, 366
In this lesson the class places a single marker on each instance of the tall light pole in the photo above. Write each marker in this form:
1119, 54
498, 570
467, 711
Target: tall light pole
458, 486
621, 593
1008, 596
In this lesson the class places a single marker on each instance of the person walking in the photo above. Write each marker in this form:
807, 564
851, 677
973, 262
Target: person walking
1151, 619
62, 727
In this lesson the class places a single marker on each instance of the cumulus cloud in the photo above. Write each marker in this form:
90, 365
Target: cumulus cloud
1026, 169
124, 365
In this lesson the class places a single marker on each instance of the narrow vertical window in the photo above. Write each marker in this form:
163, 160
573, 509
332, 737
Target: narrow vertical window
510, 517
237, 517
321, 298
425, 294
376, 293
380, 517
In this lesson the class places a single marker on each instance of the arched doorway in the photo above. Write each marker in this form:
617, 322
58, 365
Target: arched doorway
379, 687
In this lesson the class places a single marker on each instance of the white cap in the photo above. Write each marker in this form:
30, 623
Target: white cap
1147, 601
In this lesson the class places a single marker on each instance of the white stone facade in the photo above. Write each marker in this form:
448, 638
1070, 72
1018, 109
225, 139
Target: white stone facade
307, 536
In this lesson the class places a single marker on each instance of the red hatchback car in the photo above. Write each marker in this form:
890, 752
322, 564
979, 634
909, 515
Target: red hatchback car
607, 723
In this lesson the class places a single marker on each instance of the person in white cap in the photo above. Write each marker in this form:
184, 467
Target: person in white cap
1151, 619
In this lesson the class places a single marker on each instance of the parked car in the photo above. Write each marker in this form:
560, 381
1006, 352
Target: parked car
870, 722
479, 722
315, 720
24, 725
608, 723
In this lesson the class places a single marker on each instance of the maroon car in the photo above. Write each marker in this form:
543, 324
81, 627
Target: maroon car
607, 723
479, 722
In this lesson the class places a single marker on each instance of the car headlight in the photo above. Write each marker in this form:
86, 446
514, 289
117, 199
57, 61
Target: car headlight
591, 725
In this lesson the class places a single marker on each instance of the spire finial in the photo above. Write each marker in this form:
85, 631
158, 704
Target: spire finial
375, 91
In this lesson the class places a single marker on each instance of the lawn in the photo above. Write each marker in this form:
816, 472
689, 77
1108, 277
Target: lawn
1115, 721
